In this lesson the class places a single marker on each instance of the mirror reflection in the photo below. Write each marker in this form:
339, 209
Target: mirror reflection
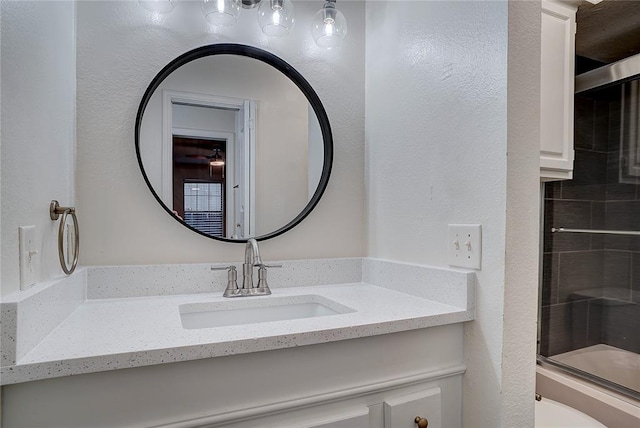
231, 146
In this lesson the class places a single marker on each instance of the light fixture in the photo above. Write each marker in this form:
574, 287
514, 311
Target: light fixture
329, 27
216, 160
275, 17
221, 13
157, 6
250, 4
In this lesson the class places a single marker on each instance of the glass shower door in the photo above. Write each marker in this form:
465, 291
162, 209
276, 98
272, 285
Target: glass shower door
590, 282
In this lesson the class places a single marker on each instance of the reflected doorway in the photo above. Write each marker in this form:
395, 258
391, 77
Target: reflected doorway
199, 183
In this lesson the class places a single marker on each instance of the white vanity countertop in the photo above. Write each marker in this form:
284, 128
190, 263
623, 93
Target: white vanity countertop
108, 334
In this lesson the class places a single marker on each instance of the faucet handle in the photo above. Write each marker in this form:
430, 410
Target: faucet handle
269, 265
263, 287
232, 280
230, 267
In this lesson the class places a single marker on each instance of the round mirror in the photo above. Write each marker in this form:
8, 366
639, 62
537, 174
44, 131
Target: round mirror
234, 143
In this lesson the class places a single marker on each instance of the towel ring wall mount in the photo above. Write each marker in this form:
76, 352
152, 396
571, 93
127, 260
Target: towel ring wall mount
55, 211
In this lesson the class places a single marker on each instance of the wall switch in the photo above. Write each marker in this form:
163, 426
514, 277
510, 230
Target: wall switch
29, 256
464, 247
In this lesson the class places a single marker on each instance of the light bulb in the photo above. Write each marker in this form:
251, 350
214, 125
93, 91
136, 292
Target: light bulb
221, 13
275, 17
329, 26
157, 6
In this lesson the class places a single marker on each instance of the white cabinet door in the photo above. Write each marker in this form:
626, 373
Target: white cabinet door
353, 419
557, 90
401, 412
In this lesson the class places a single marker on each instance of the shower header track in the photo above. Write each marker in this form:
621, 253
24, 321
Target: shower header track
622, 70
608, 232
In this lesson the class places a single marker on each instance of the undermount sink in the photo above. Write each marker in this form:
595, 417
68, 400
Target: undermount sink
264, 309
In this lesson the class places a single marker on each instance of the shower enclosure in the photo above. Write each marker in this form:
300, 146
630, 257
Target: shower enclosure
590, 282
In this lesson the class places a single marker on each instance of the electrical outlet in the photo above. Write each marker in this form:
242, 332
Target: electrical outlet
29, 256
464, 247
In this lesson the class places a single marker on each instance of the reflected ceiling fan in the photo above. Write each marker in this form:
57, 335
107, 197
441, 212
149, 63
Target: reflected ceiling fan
214, 160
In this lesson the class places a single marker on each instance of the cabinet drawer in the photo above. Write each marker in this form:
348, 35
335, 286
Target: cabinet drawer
353, 419
400, 412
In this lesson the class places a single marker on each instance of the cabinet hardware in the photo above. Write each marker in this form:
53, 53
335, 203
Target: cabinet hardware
421, 422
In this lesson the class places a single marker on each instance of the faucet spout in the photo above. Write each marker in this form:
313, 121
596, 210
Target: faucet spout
251, 259
252, 253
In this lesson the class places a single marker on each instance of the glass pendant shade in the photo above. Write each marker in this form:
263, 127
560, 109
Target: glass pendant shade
275, 17
249, 4
221, 13
329, 26
157, 6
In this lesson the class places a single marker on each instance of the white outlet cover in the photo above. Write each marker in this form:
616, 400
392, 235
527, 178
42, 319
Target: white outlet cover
464, 245
28, 256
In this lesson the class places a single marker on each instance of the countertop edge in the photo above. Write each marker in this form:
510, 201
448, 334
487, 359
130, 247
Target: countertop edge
20, 373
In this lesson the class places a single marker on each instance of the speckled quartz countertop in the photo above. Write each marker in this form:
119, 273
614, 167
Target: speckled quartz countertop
115, 333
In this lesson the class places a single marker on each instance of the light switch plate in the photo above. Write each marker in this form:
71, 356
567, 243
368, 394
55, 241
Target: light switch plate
28, 256
464, 246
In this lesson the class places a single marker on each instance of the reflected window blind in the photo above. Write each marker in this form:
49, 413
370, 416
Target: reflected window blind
203, 205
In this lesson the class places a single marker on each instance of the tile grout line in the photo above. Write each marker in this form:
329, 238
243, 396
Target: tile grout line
558, 280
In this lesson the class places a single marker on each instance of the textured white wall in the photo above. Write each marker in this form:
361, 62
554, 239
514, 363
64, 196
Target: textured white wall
436, 153
38, 128
120, 50
522, 228
441, 158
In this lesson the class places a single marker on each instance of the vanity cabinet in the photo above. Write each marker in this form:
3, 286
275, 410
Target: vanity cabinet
382, 381
397, 408
357, 419
557, 90
402, 411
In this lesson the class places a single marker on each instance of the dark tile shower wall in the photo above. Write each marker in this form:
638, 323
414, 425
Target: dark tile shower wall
588, 279
620, 304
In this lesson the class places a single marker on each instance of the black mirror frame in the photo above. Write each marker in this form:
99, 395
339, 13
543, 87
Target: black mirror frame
284, 68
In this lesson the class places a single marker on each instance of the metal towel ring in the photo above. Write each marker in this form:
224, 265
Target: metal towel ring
54, 212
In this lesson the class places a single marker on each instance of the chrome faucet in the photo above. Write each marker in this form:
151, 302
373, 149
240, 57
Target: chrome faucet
252, 259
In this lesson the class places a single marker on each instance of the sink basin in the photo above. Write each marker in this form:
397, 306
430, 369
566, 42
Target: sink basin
257, 310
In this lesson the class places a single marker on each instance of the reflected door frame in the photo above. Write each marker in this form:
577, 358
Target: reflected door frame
229, 173
240, 203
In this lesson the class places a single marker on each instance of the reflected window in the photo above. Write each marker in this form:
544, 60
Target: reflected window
204, 207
